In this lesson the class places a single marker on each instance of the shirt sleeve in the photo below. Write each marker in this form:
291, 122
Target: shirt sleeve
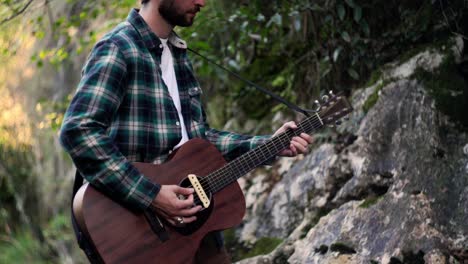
84, 130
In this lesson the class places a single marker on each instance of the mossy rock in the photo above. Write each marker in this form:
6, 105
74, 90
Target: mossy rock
263, 246
372, 99
370, 201
448, 88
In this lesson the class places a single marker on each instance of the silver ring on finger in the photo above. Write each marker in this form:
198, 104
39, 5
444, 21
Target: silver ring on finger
180, 220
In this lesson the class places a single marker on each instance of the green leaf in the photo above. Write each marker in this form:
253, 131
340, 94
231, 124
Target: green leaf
40, 34
315, 7
350, 3
365, 27
341, 12
353, 74
357, 13
278, 81
345, 36
275, 19
336, 54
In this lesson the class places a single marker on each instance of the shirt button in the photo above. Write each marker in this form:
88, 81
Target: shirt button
177, 123
160, 46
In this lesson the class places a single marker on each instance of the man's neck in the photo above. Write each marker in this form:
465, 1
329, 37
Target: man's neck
155, 21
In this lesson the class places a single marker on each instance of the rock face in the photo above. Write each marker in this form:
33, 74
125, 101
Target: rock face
390, 187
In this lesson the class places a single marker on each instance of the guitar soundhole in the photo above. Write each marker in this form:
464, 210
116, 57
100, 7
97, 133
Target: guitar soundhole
202, 215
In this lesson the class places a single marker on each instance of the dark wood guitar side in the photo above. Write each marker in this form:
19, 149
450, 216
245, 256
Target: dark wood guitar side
121, 236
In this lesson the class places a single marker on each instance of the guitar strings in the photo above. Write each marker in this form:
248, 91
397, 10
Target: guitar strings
222, 182
287, 135
268, 146
207, 182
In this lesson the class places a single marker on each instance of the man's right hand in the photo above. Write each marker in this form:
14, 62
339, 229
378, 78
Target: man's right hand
174, 209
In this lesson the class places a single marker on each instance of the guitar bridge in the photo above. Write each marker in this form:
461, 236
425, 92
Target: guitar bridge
199, 190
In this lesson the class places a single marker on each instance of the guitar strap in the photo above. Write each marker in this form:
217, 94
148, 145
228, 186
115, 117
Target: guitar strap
83, 241
278, 98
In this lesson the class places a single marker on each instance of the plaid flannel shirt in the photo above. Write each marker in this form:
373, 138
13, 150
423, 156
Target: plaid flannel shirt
122, 112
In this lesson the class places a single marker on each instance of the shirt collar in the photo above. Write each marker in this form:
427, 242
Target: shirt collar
149, 38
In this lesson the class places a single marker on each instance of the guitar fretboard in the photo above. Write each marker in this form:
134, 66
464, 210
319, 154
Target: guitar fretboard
240, 166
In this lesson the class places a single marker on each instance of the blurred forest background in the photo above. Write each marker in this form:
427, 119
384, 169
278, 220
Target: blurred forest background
297, 48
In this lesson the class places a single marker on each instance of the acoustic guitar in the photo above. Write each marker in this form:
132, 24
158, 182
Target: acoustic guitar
123, 236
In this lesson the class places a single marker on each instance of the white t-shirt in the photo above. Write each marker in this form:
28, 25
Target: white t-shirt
169, 78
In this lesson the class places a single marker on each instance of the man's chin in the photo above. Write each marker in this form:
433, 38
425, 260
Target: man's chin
186, 22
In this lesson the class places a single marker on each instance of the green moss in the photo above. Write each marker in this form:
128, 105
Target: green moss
321, 213
263, 246
372, 99
306, 229
370, 201
448, 88
239, 251
374, 78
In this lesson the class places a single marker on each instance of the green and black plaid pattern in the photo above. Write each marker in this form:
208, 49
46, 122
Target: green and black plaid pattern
122, 112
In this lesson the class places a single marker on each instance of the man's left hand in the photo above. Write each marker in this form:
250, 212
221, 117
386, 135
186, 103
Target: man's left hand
298, 144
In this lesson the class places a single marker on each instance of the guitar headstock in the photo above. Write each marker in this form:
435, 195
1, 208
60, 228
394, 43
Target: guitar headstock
333, 108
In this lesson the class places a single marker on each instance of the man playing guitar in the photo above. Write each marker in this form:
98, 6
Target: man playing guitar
138, 100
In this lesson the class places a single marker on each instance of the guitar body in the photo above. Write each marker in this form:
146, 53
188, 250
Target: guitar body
123, 236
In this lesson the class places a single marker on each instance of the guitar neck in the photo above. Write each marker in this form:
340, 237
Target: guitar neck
240, 166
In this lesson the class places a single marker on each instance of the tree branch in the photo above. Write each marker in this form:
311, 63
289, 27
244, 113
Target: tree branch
19, 12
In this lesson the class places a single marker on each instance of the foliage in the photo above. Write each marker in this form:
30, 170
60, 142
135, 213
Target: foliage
59, 228
325, 44
17, 193
296, 48
74, 31
21, 248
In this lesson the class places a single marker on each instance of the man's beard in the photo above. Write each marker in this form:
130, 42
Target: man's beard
175, 17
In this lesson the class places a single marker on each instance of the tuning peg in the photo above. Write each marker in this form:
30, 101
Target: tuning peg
337, 122
325, 98
331, 93
317, 105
